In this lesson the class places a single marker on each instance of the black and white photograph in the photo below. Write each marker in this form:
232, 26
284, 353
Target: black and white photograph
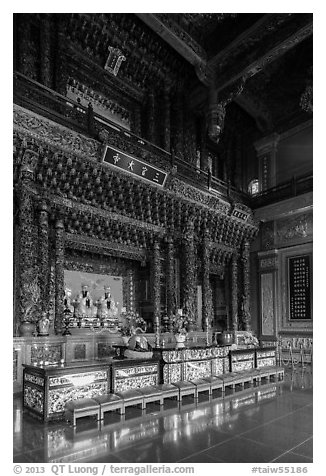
162, 243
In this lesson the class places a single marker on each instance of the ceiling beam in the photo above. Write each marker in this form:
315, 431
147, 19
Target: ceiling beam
181, 41
266, 41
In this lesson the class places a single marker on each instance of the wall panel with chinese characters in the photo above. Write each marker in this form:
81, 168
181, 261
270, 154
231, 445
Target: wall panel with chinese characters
299, 269
127, 163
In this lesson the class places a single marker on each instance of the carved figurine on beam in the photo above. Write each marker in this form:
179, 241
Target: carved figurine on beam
217, 107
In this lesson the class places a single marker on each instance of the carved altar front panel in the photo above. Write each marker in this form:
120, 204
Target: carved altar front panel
132, 375
47, 389
196, 370
267, 304
172, 373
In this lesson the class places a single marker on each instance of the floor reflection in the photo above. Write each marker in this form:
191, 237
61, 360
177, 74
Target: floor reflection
173, 434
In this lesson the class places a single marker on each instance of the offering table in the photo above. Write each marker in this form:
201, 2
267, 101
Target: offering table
191, 361
47, 388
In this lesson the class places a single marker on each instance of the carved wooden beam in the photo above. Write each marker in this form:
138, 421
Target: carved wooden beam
272, 36
235, 62
183, 43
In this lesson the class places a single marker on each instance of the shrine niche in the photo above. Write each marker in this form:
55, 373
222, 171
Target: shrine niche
94, 300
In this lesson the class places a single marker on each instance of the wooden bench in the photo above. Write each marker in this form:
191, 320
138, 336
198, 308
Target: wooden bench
131, 398
168, 390
215, 382
185, 388
269, 372
151, 394
80, 408
231, 379
110, 402
202, 385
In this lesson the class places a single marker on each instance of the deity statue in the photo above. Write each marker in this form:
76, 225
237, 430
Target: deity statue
85, 307
104, 304
67, 301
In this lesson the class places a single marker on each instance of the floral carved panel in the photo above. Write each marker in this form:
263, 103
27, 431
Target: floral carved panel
296, 229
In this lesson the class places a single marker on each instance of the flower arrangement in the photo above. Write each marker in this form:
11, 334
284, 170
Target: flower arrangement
180, 324
133, 323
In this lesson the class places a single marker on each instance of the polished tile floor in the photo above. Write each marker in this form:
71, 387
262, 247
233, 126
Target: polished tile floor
269, 423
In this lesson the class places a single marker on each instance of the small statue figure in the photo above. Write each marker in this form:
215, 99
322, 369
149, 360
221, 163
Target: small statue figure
67, 301
104, 304
85, 307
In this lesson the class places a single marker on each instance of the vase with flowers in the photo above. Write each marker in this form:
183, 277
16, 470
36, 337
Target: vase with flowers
131, 323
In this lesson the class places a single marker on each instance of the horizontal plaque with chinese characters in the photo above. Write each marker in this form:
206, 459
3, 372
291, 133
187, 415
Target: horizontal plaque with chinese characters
300, 287
134, 166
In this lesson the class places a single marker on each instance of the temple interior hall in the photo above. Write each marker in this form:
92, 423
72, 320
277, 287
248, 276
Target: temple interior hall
162, 238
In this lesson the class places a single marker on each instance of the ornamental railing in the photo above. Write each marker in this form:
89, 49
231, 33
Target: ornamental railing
291, 188
48, 103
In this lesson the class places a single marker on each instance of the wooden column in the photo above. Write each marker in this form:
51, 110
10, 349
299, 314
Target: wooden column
27, 270
156, 284
179, 123
266, 149
170, 287
246, 317
189, 285
59, 275
26, 246
166, 119
151, 116
136, 121
43, 257
60, 73
234, 291
203, 148
207, 293
45, 53
26, 58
